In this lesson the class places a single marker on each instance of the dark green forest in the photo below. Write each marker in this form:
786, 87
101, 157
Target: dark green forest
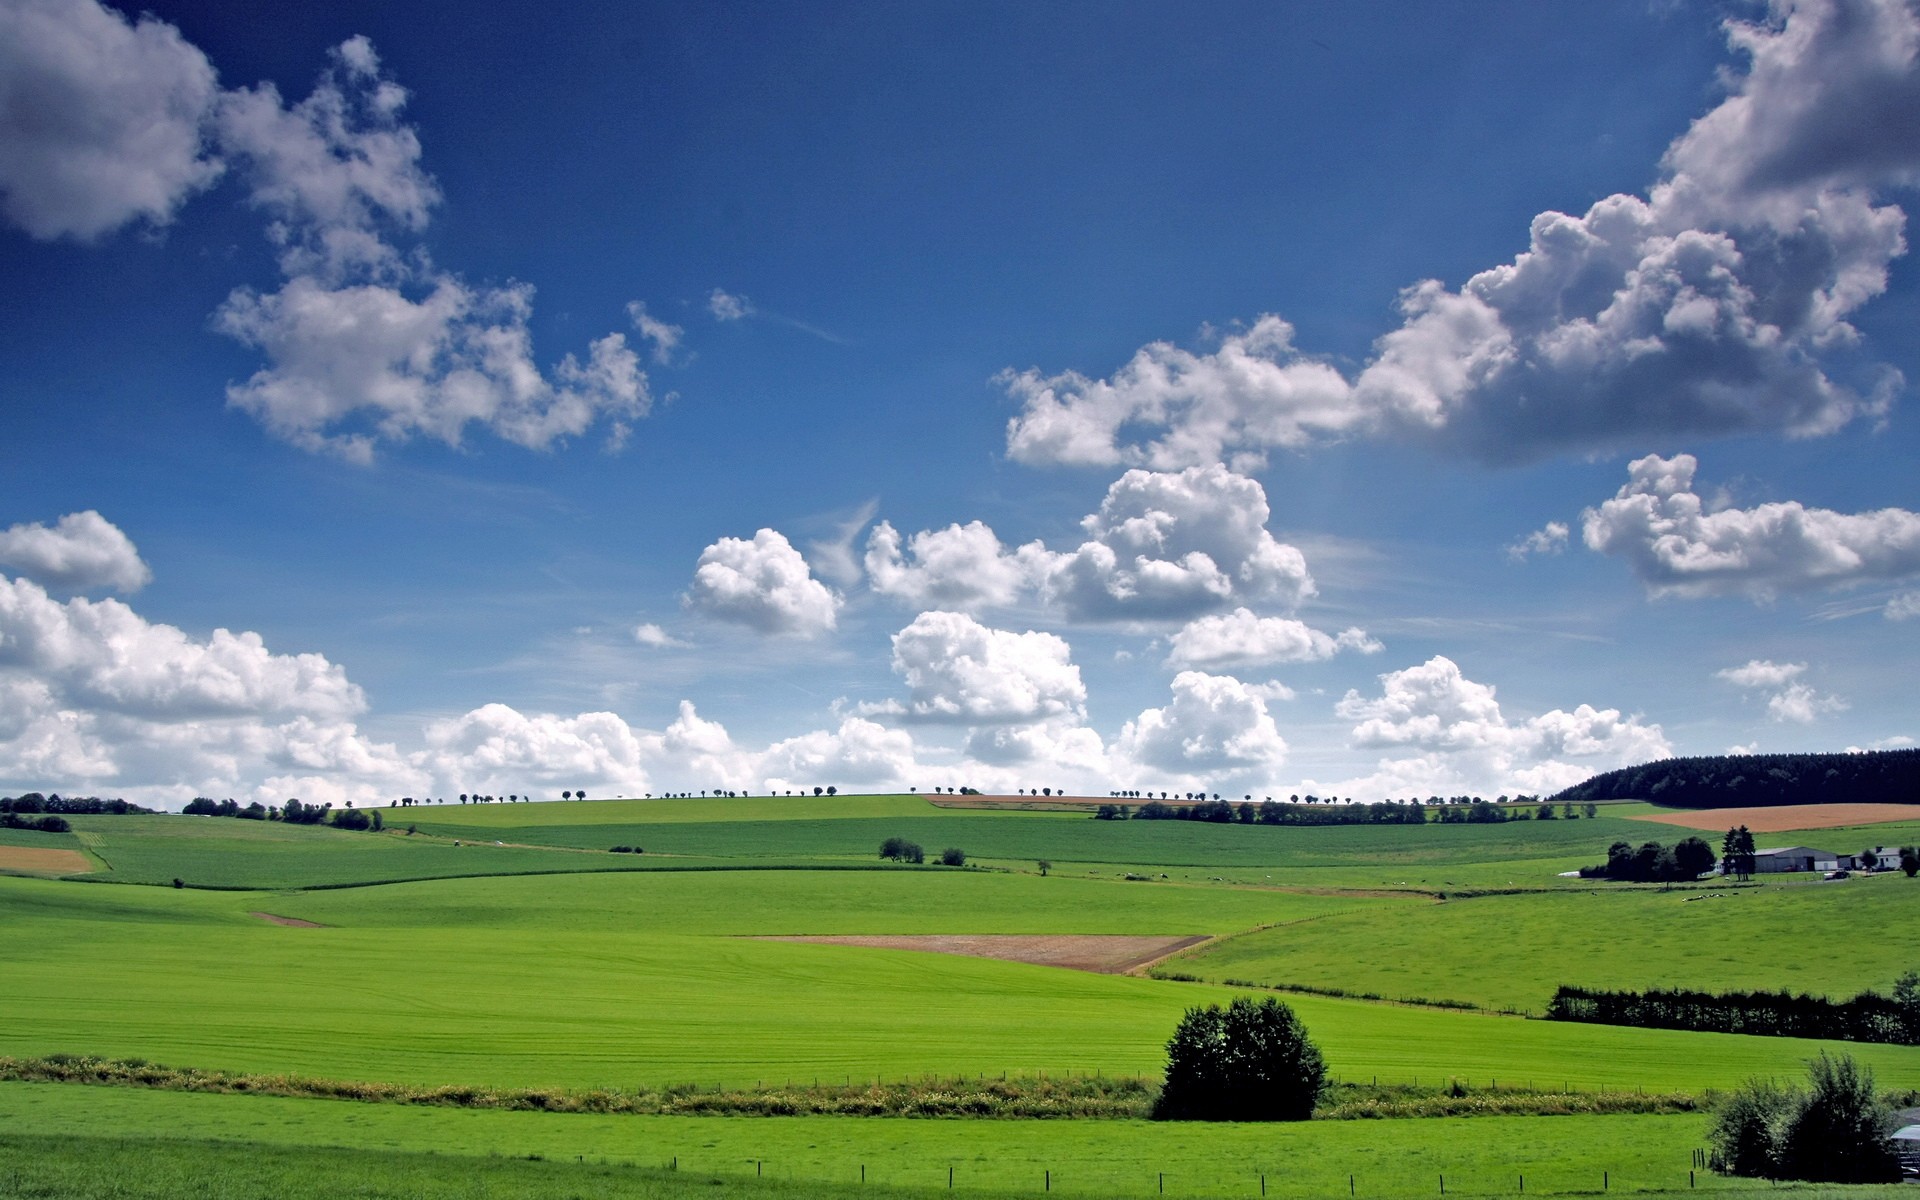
1743, 780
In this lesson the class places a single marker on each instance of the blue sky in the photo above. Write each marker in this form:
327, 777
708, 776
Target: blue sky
1367, 399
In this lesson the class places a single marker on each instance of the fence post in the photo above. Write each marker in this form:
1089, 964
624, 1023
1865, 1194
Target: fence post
1443, 1185
1049, 1179
949, 1178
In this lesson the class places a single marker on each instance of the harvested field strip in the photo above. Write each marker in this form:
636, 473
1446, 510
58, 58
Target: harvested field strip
1104, 954
295, 922
1785, 818
1018, 1097
43, 860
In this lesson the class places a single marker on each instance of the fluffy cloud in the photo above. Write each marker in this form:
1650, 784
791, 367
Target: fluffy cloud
859, 753
1903, 607
100, 119
103, 122
663, 337
1790, 699
1172, 545
959, 670
1550, 539
104, 655
1708, 308
495, 746
1462, 739
93, 693
1215, 728
649, 634
727, 307
366, 344
83, 551
763, 584
960, 567
1164, 546
1241, 639
1255, 390
1678, 544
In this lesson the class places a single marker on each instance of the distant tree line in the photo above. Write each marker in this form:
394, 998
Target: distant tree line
1747, 780
71, 806
46, 824
1650, 862
292, 813
1383, 812
1867, 1017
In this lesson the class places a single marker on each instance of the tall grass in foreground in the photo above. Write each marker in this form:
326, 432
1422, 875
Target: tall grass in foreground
1019, 1097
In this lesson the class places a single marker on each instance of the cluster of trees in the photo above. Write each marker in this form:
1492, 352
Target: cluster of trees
899, 849
1650, 862
1744, 780
45, 824
1251, 1061
292, 813
1867, 1017
1835, 1131
71, 806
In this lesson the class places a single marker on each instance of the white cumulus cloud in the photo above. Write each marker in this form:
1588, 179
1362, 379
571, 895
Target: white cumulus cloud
1214, 729
82, 551
961, 671
1549, 539
101, 119
1460, 737
960, 567
1790, 699
763, 584
1712, 306
1679, 544
1242, 639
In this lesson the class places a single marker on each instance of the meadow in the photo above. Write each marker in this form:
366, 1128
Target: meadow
529, 956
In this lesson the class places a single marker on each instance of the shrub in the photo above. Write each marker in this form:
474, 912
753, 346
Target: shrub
953, 856
1835, 1132
1251, 1061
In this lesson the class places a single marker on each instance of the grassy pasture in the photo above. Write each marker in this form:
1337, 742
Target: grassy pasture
1430, 857
1512, 951
407, 987
647, 975
224, 852
823, 1155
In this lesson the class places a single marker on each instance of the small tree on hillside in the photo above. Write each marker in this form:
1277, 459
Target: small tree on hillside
1836, 1132
1251, 1061
1910, 860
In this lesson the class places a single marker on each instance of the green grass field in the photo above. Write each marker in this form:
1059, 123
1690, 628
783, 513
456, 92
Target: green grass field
1719, 937
530, 963
1479, 1155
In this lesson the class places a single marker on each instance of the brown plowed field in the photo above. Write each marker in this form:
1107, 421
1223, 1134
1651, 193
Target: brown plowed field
1101, 953
43, 860
295, 922
1786, 818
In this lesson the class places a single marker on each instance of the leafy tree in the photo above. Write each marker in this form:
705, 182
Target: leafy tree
1044, 866
953, 856
1251, 1061
899, 849
1910, 860
1692, 857
1835, 1132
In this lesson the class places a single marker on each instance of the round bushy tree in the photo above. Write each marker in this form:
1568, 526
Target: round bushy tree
1251, 1061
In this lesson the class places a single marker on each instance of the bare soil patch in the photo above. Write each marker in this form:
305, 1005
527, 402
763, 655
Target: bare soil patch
1785, 818
1104, 954
295, 922
44, 860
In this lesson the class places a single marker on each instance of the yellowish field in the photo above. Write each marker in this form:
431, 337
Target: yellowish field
43, 860
1784, 818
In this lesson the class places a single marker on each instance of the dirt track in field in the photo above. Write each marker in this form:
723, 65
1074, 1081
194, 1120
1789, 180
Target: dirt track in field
1100, 953
295, 922
44, 860
1787, 817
